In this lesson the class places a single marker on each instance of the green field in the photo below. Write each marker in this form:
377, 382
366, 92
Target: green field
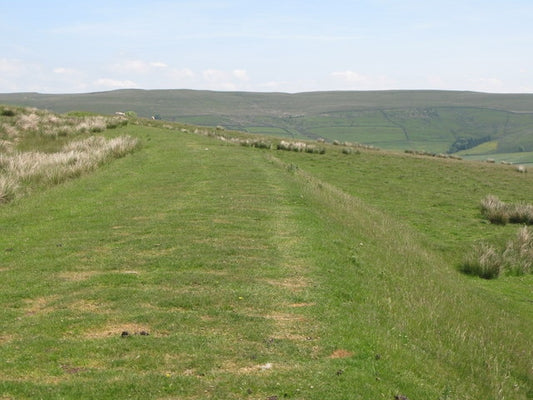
244, 273
433, 121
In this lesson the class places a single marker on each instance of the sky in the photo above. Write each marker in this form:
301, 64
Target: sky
266, 45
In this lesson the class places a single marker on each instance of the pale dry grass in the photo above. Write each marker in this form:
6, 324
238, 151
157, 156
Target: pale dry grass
32, 121
76, 276
487, 262
518, 255
72, 161
8, 188
40, 305
499, 212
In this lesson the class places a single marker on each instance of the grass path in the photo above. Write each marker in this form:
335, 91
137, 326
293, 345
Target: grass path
253, 278
180, 240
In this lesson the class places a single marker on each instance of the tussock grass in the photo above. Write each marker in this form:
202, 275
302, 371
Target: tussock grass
488, 262
74, 159
300, 147
499, 212
483, 261
8, 189
20, 122
22, 166
518, 255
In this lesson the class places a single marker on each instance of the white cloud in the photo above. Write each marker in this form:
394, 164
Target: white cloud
216, 79
182, 73
131, 66
114, 83
9, 66
241, 74
64, 71
137, 66
158, 64
357, 81
351, 77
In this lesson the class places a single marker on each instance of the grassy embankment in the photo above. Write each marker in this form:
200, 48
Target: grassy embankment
261, 274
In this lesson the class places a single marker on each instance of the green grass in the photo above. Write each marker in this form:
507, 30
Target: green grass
261, 273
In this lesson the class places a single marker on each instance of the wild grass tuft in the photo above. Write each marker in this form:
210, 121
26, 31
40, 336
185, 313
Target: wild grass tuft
516, 259
8, 189
518, 255
483, 261
499, 212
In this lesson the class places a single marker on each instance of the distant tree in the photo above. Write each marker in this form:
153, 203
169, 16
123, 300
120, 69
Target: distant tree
465, 143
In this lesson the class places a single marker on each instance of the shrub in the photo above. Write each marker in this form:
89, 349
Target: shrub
483, 261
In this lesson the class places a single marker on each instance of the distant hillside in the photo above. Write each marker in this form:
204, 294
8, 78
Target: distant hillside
435, 121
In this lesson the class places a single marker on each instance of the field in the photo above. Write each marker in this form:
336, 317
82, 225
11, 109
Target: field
198, 268
431, 121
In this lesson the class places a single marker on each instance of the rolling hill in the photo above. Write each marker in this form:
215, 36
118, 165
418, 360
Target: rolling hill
432, 121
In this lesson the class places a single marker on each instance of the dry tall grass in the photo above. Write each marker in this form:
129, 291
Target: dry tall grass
499, 212
518, 255
17, 122
516, 259
74, 159
19, 170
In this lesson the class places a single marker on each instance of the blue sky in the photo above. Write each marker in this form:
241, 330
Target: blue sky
283, 46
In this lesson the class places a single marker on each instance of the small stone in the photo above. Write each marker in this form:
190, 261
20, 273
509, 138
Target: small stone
124, 334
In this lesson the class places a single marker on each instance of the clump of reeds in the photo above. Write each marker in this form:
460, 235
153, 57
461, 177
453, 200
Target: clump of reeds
499, 212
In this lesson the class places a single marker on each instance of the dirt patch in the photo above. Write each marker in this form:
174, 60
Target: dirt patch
341, 353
